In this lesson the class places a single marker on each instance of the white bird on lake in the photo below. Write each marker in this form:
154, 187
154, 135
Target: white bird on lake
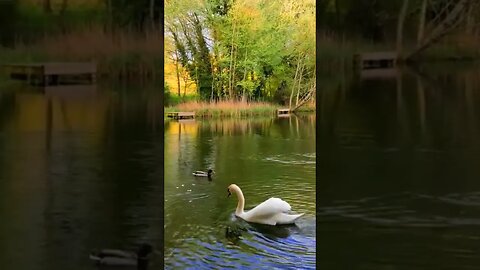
271, 212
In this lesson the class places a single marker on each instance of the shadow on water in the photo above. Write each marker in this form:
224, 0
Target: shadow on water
273, 232
236, 230
398, 169
81, 169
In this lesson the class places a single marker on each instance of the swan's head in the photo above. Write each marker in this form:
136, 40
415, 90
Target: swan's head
210, 172
232, 188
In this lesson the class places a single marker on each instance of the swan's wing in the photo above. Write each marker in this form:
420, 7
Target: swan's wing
270, 207
286, 218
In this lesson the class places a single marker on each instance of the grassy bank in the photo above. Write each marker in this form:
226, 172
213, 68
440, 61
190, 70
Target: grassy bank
231, 108
6, 82
225, 108
451, 52
336, 54
124, 53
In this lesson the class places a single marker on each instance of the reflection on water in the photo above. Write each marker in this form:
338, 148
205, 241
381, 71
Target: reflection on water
398, 171
265, 157
80, 168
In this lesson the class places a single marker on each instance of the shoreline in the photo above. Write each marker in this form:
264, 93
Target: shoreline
231, 109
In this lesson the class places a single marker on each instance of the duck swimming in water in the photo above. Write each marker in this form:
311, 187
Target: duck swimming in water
115, 257
204, 174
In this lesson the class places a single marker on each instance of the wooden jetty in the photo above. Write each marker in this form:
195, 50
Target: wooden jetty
384, 73
375, 60
186, 121
283, 112
181, 115
53, 73
71, 92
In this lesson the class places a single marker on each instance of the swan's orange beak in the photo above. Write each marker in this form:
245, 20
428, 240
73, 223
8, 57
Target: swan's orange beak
228, 190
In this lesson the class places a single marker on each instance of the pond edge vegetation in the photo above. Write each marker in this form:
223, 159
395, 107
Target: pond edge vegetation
235, 109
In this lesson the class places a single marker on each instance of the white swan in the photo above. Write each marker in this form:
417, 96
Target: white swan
271, 212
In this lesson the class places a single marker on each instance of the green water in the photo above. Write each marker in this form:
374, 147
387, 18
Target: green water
398, 171
80, 169
397, 177
265, 157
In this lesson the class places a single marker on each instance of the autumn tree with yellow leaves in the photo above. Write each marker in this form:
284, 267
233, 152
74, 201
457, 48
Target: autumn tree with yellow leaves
242, 49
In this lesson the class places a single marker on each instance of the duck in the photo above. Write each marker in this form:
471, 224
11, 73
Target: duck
204, 174
273, 211
233, 232
115, 257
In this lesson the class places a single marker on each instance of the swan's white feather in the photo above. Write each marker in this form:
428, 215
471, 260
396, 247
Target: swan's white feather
272, 211
270, 207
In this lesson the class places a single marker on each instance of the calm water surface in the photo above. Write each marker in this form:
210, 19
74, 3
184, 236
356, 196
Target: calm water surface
79, 169
399, 171
265, 157
398, 178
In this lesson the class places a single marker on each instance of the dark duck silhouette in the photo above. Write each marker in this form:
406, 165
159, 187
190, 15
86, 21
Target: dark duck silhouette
116, 258
203, 174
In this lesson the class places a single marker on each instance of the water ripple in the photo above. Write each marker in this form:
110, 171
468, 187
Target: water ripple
410, 209
285, 247
293, 159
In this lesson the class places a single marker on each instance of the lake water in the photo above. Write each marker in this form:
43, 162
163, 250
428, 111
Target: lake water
398, 177
265, 157
399, 171
80, 169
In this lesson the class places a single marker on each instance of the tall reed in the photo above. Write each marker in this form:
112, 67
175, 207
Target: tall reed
226, 108
120, 53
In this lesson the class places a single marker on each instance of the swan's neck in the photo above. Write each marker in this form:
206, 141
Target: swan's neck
241, 202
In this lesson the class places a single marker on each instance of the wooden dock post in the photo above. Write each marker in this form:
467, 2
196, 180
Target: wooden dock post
51, 73
181, 115
283, 112
375, 60
377, 65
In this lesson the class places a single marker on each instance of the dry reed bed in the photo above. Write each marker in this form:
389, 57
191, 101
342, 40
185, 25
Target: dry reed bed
225, 108
121, 53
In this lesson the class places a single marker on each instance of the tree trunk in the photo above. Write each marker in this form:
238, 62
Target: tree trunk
177, 71
109, 26
451, 21
62, 15
152, 13
300, 83
310, 94
185, 81
47, 6
421, 24
244, 78
337, 15
64, 7
230, 91
233, 71
293, 87
212, 96
421, 104
470, 21
401, 21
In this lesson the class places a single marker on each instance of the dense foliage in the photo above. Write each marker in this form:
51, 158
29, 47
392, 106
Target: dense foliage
245, 49
27, 20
